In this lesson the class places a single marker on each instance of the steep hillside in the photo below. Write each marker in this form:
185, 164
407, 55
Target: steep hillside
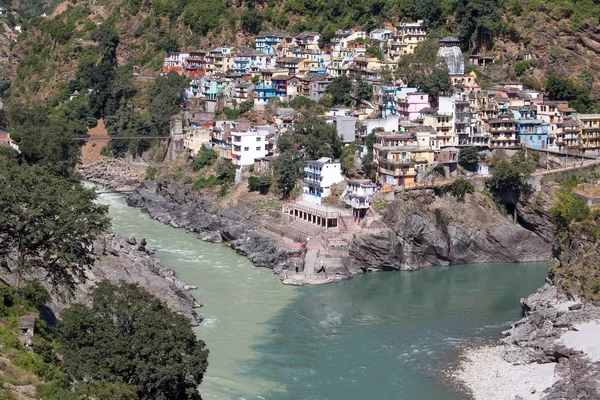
561, 37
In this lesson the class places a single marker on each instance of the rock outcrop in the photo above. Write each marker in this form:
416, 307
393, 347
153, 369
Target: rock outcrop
182, 206
114, 174
120, 259
424, 230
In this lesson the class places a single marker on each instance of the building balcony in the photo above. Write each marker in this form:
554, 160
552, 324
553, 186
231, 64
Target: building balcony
312, 182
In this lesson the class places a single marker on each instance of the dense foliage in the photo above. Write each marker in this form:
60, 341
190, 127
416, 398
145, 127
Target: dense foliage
509, 182
424, 70
468, 157
47, 224
129, 336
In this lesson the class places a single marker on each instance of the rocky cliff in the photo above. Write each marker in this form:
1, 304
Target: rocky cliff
424, 229
183, 206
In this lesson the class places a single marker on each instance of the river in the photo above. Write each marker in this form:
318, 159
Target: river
387, 335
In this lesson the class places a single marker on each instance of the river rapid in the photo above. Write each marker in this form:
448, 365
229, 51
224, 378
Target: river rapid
388, 335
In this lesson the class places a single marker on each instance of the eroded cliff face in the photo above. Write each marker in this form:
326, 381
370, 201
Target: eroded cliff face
424, 230
183, 206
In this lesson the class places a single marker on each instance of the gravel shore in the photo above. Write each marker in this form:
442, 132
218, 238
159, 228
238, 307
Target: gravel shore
490, 377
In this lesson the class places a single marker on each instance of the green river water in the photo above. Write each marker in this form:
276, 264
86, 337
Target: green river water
387, 335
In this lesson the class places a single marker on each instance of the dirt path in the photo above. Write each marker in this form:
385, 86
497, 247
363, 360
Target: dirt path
90, 152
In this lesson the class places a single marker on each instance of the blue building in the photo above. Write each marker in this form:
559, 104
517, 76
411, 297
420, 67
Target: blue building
263, 92
267, 42
533, 133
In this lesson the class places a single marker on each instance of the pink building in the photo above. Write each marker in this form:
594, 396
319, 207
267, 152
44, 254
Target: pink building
410, 108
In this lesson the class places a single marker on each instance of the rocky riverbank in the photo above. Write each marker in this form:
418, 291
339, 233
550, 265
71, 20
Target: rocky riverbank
182, 206
420, 229
121, 259
114, 173
552, 353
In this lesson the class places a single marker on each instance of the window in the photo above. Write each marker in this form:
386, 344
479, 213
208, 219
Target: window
246, 148
258, 138
258, 148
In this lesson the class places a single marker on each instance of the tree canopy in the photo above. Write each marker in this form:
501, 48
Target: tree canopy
47, 224
317, 137
340, 90
424, 70
129, 336
509, 182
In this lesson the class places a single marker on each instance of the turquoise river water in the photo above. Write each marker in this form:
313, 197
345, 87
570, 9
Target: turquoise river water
387, 335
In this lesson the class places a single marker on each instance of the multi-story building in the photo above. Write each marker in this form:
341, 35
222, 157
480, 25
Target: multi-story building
195, 63
504, 132
572, 136
242, 90
270, 42
194, 138
393, 155
533, 133
263, 93
406, 38
411, 104
286, 85
290, 64
590, 132
319, 176
313, 86
247, 146
442, 124
219, 60
308, 40
174, 62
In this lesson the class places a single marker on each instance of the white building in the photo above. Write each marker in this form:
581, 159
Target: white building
248, 145
320, 175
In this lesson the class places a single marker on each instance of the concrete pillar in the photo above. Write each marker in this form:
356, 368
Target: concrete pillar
326, 223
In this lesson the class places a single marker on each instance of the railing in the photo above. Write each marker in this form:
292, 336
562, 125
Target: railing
313, 211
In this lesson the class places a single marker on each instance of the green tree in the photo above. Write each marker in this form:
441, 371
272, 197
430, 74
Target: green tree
131, 337
251, 21
424, 70
288, 169
340, 91
371, 138
259, 184
47, 224
509, 182
468, 157
165, 99
317, 137
225, 171
460, 188
347, 157
363, 89
567, 207
565, 89
478, 21
205, 157
44, 142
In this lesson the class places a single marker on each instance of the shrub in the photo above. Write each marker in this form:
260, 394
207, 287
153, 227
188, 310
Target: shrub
35, 294
567, 208
259, 184
34, 363
206, 182
225, 171
460, 188
151, 173
205, 157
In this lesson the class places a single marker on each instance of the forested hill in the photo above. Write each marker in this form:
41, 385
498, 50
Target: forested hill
562, 36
